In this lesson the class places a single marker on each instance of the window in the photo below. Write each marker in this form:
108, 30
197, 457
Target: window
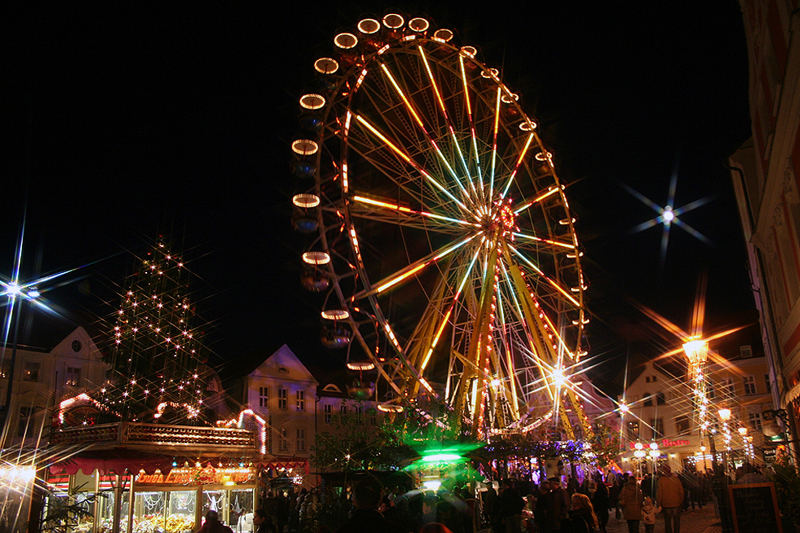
301, 440
653, 378
682, 425
633, 430
283, 441
359, 413
767, 386
24, 418
658, 427
73, 376
263, 396
343, 409
373, 417
728, 388
5, 368
283, 398
647, 379
710, 389
755, 420
660, 399
648, 399
300, 399
30, 371
327, 410
745, 351
749, 384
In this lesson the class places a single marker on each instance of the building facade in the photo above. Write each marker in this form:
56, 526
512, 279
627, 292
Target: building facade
661, 410
42, 378
766, 177
283, 392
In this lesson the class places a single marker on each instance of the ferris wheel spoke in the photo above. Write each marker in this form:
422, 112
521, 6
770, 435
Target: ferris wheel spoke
446, 318
425, 132
542, 275
382, 205
551, 242
552, 328
443, 109
494, 142
414, 268
516, 166
471, 124
433, 181
525, 205
402, 179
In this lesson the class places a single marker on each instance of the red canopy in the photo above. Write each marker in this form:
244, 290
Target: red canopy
117, 461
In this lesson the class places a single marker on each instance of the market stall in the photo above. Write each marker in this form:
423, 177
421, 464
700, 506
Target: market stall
172, 502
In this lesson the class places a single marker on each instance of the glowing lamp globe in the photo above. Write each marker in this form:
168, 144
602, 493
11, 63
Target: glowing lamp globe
724, 414
696, 352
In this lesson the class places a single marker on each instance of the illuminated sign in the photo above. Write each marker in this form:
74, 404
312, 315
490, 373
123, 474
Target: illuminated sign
664, 443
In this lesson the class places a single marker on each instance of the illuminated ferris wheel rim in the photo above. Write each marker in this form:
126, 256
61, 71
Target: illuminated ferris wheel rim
474, 213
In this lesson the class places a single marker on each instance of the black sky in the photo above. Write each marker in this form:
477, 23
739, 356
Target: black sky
127, 122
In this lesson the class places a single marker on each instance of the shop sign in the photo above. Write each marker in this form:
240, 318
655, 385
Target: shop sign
663, 443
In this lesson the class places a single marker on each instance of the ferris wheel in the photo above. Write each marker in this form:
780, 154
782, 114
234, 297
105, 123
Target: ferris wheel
441, 234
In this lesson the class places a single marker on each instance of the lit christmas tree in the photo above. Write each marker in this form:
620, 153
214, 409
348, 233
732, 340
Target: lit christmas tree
157, 366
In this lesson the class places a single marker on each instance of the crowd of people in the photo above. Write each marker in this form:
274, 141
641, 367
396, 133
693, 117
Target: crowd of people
555, 505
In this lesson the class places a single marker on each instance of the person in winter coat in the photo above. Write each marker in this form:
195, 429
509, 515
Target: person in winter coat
581, 516
601, 503
670, 497
649, 511
630, 498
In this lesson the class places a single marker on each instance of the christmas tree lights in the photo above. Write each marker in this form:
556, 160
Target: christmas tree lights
156, 357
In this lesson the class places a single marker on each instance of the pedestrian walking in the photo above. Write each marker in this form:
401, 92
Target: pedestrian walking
582, 518
670, 496
649, 511
601, 503
630, 498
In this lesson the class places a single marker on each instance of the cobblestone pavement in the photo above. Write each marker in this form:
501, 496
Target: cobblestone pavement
697, 521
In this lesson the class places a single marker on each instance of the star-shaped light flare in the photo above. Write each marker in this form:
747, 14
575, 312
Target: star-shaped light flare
696, 335
31, 291
668, 215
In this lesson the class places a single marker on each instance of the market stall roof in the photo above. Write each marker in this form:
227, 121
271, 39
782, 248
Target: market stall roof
123, 460
113, 461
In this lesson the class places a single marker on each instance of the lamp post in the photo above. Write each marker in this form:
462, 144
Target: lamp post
639, 453
696, 351
725, 416
654, 453
742, 431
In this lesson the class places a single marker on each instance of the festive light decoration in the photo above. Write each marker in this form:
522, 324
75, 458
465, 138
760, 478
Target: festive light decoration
503, 284
239, 422
156, 356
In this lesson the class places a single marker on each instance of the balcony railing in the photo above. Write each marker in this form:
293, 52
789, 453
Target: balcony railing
145, 435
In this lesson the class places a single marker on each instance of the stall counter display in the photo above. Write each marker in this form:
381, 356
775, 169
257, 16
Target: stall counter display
164, 511
86, 521
105, 511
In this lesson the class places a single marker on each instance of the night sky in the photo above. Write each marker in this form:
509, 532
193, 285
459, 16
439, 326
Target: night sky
127, 123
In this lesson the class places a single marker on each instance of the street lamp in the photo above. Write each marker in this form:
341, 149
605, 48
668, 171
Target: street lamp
696, 351
725, 416
640, 454
654, 453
